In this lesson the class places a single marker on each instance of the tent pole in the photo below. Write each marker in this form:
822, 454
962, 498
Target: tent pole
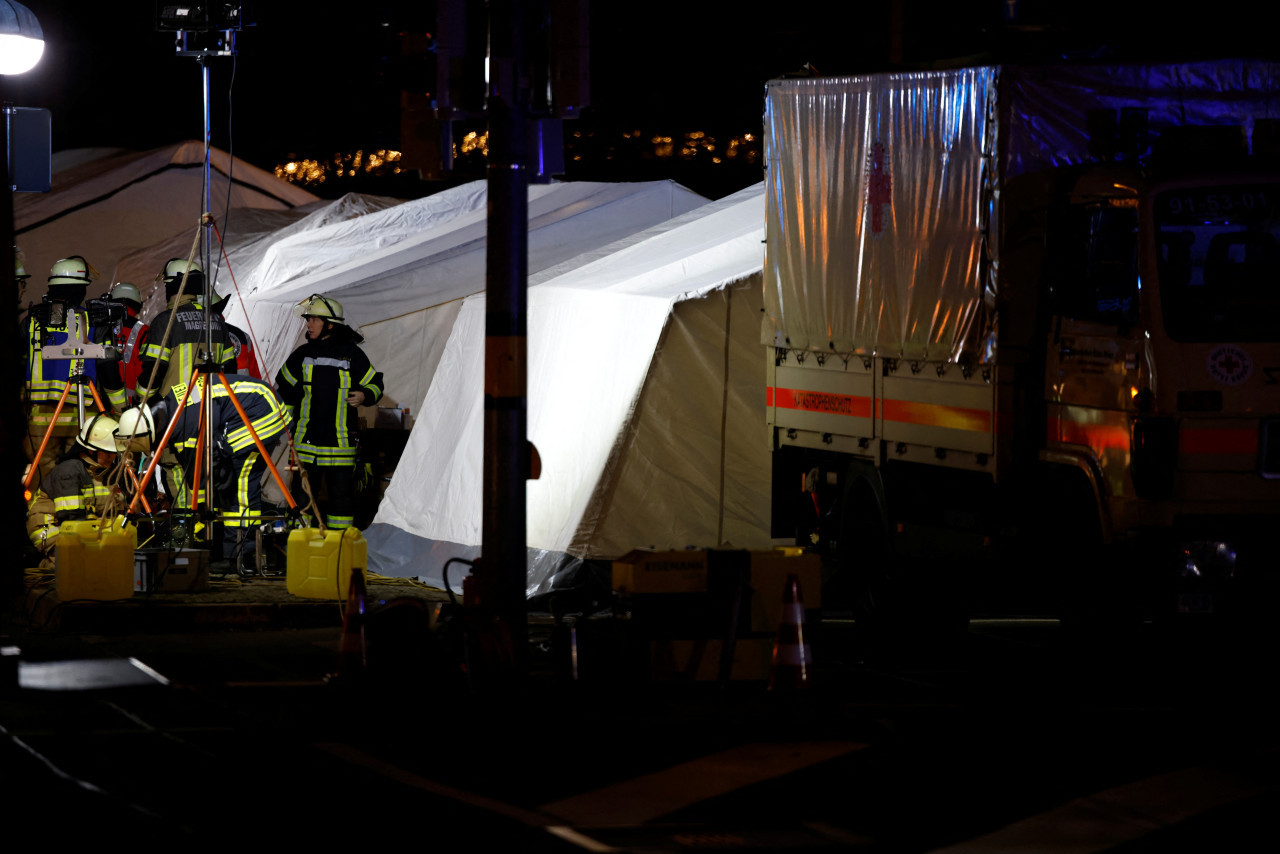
501, 578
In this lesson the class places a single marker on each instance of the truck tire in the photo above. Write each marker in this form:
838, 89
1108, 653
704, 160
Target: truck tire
903, 606
1094, 582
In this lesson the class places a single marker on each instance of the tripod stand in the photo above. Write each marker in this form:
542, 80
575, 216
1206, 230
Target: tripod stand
80, 380
196, 440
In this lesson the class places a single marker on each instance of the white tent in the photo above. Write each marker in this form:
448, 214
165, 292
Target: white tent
256, 237
107, 203
646, 405
401, 273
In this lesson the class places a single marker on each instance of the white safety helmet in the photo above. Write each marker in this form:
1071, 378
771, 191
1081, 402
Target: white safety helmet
99, 434
175, 267
72, 271
126, 291
136, 422
320, 306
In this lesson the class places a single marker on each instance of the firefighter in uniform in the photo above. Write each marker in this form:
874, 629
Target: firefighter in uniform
74, 488
53, 321
322, 383
119, 378
238, 467
168, 362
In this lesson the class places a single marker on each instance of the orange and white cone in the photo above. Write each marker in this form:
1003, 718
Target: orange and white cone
791, 656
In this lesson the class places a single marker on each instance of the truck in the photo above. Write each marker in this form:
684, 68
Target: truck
1022, 331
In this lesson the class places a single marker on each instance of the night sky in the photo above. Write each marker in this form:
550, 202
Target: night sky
311, 82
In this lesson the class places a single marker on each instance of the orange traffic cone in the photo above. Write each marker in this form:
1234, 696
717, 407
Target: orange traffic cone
791, 657
351, 652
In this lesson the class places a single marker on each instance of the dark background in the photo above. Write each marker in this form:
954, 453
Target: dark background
313, 79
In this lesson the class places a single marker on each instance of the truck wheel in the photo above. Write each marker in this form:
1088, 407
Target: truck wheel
903, 605
1096, 584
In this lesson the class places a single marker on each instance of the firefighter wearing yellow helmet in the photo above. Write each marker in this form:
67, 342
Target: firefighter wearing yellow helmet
74, 488
321, 384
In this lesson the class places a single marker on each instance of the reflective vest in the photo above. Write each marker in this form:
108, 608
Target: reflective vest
47, 378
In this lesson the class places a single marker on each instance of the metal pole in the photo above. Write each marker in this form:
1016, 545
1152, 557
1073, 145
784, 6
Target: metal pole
206, 63
12, 507
502, 579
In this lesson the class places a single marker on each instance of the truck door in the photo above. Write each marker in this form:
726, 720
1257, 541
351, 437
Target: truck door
1095, 349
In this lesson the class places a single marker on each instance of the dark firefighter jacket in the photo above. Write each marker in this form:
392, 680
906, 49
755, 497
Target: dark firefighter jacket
173, 360
230, 435
314, 384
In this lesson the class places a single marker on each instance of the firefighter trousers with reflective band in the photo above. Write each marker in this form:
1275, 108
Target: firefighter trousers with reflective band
238, 497
338, 501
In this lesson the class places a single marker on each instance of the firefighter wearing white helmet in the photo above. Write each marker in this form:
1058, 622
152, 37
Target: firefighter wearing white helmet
322, 383
74, 489
119, 377
173, 349
136, 430
54, 321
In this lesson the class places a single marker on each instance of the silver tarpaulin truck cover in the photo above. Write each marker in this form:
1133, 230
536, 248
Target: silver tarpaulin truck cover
883, 191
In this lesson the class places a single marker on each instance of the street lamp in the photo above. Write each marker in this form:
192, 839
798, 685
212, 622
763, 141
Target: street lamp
21, 39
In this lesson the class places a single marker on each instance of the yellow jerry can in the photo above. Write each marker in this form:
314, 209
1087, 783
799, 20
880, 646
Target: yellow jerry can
318, 564
94, 559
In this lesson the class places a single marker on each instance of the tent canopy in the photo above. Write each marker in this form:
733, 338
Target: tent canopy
646, 404
107, 203
401, 273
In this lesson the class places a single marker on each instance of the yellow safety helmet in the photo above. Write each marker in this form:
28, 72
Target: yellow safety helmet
135, 422
175, 267
99, 434
321, 306
72, 271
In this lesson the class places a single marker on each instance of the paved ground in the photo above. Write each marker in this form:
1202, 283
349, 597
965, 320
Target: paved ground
230, 729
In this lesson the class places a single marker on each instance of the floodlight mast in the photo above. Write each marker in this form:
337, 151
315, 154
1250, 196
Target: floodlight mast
205, 34
224, 44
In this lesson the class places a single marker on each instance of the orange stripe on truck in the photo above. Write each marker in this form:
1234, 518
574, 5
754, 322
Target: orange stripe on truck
936, 415
1224, 441
819, 401
1100, 437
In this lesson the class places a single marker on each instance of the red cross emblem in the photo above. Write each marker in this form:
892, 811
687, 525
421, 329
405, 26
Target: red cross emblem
879, 186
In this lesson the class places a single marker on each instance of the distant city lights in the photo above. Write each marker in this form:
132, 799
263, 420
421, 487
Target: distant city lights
314, 172
581, 146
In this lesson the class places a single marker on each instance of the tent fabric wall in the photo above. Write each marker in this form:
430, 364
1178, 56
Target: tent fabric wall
646, 404
105, 206
383, 274
408, 349
697, 442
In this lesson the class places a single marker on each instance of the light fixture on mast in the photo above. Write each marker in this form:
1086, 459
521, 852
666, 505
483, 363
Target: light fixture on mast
203, 31
21, 39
